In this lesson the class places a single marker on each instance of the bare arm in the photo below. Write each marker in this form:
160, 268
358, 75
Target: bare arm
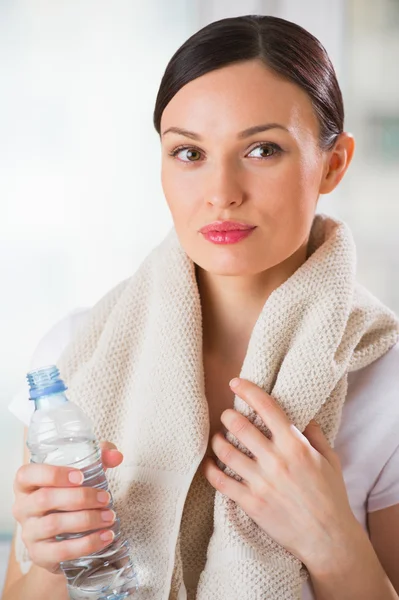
35, 585
354, 569
384, 534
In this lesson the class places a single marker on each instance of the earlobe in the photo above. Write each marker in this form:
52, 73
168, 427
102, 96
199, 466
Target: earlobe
338, 161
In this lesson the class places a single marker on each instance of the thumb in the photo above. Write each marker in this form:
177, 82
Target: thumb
316, 437
111, 457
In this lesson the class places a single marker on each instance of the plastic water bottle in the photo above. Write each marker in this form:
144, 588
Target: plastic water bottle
61, 434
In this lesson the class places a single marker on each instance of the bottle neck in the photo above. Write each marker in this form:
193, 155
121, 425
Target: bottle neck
50, 401
46, 388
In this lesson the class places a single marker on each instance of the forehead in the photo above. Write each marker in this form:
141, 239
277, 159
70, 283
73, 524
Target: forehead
238, 96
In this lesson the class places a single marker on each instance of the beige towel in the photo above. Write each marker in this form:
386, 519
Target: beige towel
136, 369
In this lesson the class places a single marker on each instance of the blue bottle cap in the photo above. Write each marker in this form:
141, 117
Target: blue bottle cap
45, 381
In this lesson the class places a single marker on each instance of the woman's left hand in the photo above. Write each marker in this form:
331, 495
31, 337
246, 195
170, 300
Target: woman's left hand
293, 488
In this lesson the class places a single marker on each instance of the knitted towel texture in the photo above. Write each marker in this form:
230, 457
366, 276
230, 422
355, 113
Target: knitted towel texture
135, 367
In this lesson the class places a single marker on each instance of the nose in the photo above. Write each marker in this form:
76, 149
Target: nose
223, 187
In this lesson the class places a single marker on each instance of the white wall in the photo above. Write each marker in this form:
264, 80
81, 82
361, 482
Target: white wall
81, 199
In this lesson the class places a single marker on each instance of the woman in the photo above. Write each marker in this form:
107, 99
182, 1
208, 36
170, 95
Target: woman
250, 118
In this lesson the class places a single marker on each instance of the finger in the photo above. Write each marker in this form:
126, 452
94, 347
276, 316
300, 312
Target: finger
48, 554
226, 485
33, 476
316, 437
239, 462
47, 500
57, 523
246, 432
111, 457
107, 446
266, 407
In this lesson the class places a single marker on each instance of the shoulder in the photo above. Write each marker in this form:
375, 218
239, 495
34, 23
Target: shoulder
381, 376
367, 439
371, 408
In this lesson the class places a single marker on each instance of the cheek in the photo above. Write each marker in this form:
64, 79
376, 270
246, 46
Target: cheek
181, 194
288, 205
300, 186
310, 167
285, 192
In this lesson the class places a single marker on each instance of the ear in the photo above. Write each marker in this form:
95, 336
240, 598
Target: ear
337, 161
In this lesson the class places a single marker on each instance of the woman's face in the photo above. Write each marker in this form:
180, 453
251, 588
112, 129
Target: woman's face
269, 179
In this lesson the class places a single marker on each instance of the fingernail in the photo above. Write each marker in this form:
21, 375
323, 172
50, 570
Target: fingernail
107, 536
107, 515
103, 497
235, 382
75, 477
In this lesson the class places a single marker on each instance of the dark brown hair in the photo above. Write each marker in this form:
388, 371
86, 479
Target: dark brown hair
284, 47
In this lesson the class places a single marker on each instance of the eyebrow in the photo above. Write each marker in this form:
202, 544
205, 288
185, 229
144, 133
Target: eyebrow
241, 135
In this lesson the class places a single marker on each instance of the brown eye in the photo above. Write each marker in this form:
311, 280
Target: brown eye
191, 154
266, 150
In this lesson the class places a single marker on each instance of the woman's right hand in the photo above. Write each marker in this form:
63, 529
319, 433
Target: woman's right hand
40, 489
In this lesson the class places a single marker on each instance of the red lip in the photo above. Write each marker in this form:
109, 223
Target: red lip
226, 226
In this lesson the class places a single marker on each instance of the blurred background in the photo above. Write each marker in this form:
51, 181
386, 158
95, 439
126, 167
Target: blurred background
80, 160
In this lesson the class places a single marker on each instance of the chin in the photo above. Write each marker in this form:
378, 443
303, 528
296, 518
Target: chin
233, 272
236, 267
232, 260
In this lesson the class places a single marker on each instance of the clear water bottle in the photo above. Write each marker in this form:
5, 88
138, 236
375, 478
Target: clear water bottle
61, 434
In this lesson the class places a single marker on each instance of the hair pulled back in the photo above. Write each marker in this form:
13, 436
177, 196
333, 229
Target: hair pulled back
284, 47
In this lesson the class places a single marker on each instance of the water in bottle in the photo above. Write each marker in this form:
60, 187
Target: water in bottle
61, 434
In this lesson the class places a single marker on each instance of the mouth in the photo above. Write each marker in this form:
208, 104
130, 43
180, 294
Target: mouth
226, 232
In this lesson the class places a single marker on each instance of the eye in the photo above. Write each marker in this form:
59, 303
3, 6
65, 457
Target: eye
268, 149
192, 153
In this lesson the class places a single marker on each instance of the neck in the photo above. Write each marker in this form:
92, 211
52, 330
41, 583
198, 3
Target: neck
231, 305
